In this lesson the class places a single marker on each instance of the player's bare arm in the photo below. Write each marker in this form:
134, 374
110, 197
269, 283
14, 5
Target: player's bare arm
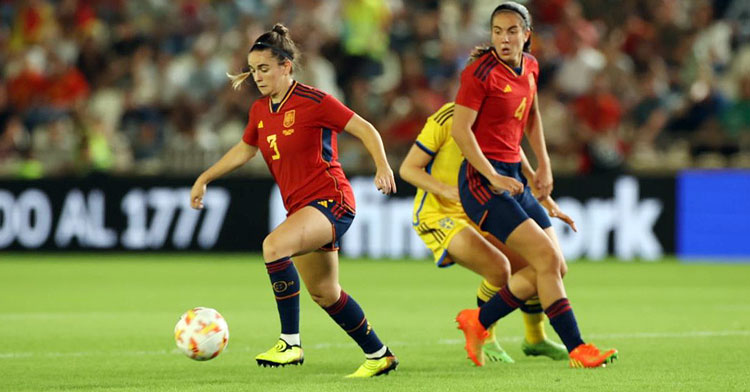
413, 171
370, 137
552, 208
543, 176
463, 118
234, 158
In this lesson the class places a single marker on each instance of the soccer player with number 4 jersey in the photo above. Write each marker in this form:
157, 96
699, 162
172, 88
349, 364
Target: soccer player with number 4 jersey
294, 126
495, 104
432, 166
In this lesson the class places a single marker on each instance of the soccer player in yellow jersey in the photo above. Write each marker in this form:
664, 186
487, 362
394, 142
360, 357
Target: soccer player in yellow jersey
432, 165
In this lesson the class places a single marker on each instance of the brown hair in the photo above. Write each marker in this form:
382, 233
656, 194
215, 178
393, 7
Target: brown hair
509, 6
276, 40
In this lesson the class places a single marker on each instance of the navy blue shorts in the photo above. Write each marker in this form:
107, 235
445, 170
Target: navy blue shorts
341, 217
498, 214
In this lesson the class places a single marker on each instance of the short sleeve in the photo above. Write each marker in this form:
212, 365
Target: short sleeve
334, 114
471, 92
432, 137
251, 130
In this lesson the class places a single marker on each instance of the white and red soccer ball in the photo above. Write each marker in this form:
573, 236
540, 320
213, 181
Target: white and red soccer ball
201, 333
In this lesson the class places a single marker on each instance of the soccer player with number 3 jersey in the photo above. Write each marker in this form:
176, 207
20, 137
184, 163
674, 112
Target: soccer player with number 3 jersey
294, 126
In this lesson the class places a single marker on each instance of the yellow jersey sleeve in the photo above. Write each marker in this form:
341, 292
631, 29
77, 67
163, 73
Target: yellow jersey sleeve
436, 131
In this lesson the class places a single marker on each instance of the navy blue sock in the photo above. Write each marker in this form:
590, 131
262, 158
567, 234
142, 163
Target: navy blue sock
563, 320
351, 318
499, 306
285, 283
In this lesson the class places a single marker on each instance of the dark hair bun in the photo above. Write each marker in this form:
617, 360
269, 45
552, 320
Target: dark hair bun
280, 29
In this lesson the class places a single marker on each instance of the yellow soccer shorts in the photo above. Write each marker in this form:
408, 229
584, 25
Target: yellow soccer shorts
437, 231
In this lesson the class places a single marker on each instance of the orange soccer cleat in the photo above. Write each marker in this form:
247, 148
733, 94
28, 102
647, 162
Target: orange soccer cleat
474, 332
588, 356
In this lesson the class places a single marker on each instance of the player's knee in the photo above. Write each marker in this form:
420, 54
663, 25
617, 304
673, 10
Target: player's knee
272, 249
551, 262
563, 269
325, 296
498, 276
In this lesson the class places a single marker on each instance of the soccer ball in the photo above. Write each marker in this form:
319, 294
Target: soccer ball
201, 333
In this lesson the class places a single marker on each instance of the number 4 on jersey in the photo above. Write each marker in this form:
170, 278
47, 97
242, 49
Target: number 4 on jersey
521, 108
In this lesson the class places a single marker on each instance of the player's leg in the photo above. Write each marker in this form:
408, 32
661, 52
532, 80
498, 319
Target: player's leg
550, 232
303, 231
510, 220
469, 249
536, 246
498, 215
319, 271
535, 341
531, 243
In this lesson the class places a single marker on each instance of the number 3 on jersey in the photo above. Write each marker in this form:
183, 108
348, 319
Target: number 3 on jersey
272, 143
519, 111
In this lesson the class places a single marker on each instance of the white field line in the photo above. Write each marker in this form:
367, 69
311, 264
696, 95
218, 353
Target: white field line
319, 346
64, 316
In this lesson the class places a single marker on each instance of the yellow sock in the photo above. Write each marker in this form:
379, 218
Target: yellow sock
484, 293
533, 318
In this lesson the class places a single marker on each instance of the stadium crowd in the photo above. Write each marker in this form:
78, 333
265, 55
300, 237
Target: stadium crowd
140, 87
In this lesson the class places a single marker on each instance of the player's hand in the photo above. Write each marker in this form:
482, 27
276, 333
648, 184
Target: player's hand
543, 182
449, 192
500, 184
196, 195
554, 212
384, 180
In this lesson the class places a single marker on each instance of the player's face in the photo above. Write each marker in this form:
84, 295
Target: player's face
508, 37
268, 74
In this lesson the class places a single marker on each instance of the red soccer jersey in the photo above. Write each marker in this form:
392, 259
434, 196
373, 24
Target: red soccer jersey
298, 143
502, 99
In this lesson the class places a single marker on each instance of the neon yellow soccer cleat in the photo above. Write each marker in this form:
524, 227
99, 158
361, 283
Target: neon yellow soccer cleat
494, 352
281, 354
375, 367
545, 348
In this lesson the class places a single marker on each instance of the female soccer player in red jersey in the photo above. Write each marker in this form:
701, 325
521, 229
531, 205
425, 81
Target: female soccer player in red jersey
496, 97
432, 165
294, 126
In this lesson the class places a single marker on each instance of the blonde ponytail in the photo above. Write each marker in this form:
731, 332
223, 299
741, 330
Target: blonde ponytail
238, 79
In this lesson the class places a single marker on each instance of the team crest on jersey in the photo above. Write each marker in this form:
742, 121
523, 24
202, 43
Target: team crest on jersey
532, 84
288, 132
288, 118
447, 223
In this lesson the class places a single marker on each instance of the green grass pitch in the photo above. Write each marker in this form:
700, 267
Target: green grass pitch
104, 322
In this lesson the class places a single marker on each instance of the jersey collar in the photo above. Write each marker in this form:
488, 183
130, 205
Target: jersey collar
508, 67
283, 100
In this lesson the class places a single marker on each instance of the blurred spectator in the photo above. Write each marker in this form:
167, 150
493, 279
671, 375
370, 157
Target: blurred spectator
736, 119
66, 86
600, 113
364, 38
650, 113
34, 22
140, 87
